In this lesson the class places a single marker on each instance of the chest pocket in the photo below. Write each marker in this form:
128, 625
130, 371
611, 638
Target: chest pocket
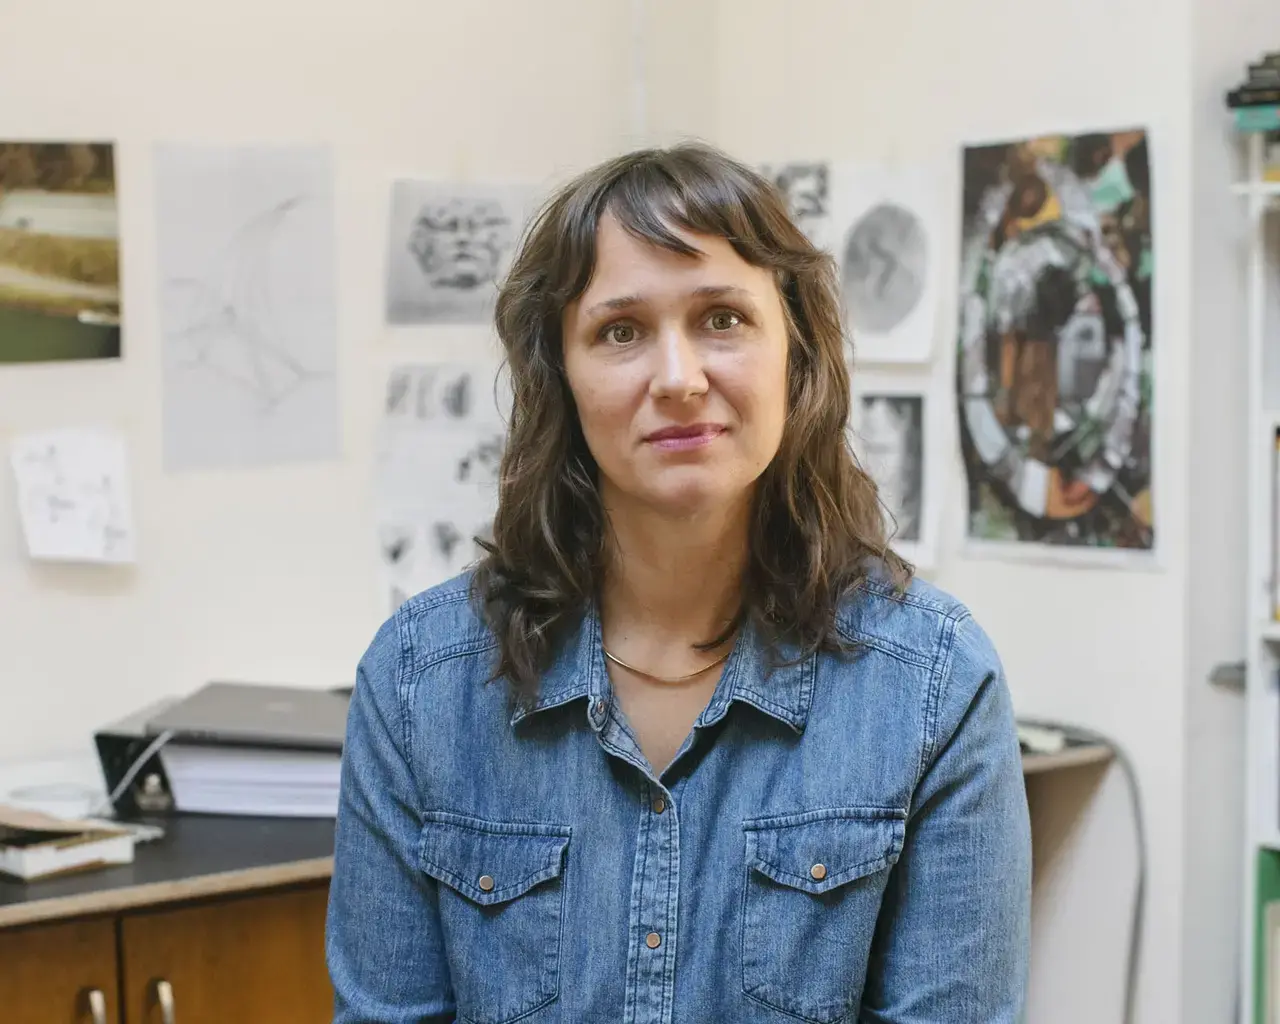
813, 887
501, 907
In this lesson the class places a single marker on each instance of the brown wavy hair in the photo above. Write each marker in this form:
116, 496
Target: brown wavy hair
818, 527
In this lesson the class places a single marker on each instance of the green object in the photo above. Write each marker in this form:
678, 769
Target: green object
28, 337
1257, 119
1268, 877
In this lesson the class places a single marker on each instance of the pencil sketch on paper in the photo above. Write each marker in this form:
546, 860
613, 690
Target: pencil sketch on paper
427, 392
886, 257
73, 496
479, 464
418, 556
449, 245
440, 450
247, 311
878, 222
231, 325
886, 219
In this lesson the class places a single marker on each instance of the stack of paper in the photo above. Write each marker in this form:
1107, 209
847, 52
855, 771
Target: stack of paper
252, 780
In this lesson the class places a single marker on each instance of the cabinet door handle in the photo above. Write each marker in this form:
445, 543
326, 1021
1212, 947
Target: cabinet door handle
163, 993
97, 1005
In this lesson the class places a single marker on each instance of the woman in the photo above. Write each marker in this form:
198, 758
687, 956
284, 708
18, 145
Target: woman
688, 745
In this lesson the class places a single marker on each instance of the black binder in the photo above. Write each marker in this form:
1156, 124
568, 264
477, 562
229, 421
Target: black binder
119, 745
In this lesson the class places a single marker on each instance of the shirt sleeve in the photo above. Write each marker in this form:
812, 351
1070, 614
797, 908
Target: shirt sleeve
385, 951
952, 938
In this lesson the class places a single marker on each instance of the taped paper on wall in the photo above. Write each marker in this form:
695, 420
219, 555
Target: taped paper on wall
894, 430
881, 224
441, 443
73, 496
247, 315
449, 244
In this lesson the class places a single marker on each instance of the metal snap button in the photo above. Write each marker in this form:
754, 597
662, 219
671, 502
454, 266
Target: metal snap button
818, 872
659, 805
653, 940
486, 883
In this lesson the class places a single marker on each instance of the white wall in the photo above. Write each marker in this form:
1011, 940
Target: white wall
918, 78
267, 574
261, 574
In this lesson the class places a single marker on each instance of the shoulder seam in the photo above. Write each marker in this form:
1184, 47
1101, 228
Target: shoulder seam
939, 678
430, 599
403, 697
945, 609
416, 608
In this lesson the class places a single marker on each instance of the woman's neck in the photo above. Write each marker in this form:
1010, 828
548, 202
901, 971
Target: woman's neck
673, 579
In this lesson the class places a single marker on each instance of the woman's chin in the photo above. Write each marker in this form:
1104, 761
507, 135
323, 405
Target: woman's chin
692, 498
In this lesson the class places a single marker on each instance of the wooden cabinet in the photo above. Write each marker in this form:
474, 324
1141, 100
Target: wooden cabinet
253, 958
60, 974
256, 958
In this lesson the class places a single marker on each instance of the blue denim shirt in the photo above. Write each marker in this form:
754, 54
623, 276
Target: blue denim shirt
842, 840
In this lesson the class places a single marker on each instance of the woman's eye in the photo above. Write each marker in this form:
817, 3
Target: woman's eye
619, 334
724, 321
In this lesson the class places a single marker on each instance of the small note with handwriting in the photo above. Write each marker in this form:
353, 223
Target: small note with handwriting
73, 495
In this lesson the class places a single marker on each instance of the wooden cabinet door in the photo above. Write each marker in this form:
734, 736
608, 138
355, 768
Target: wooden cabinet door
59, 974
251, 959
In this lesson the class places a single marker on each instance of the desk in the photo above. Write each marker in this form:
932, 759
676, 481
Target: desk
221, 899
225, 916
198, 857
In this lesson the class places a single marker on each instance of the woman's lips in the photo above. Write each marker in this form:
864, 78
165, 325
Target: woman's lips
677, 439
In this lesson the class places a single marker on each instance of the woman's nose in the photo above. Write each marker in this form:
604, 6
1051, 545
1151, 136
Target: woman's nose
678, 371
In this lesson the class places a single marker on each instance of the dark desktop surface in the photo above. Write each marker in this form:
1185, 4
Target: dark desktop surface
193, 845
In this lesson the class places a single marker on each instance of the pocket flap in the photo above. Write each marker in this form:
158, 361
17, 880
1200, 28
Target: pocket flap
490, 862
819, 851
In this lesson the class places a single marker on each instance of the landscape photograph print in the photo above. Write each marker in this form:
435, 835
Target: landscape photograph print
59, 252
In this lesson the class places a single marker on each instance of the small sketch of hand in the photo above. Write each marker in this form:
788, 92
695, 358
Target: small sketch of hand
457, 397
397, 543
447, 538
484, 459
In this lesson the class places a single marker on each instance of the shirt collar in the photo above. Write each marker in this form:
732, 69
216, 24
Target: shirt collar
782, 691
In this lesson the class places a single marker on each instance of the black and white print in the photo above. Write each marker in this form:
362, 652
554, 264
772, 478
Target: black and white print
894, 437
806, 187
440, 449
449, 245
879, 222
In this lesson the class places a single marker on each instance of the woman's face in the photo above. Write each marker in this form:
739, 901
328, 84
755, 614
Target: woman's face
678, 368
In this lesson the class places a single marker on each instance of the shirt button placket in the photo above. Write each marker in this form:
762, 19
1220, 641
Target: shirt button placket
658, 861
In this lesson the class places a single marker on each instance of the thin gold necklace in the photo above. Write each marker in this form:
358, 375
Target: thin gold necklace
665, 679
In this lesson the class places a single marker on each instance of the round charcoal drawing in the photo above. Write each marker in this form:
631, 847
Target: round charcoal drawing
885, 260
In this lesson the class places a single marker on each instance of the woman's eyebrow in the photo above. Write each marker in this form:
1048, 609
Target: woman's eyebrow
612, 305
721, 291
706, 291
